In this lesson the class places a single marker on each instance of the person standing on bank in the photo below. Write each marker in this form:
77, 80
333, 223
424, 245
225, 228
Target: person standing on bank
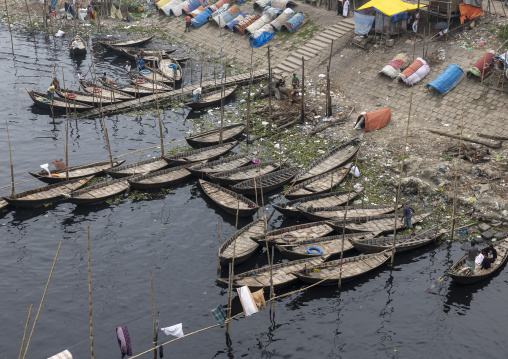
415, 23
339, 7
187, 23
345, 10
407, 214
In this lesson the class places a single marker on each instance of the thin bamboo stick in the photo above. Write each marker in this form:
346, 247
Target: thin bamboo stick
269, 93
218, 255
248, 100
232, 270
456, 174
303, 91
265, 234
10, 158
66, 131
24, 334
222, 88
9, 24
153, 319
90, 294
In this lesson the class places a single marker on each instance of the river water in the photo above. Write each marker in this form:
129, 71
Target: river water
388, 313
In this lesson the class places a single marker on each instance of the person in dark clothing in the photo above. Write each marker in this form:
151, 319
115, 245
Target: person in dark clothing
490, 255
188, 20
339, 7
471, 254
407, 214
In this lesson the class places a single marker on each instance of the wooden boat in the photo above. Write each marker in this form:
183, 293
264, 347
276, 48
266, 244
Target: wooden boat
282, 275
99, 192
320, 200
212, 137
137, 168
211, 99
150, 73
328, 273
225, 164
241, 174
80, 49
268, 182
319, 184
294, 234
4, 204
327, 247
75, 172
57, 104
165, 67
244, 247
333, 159
402, 243
106, 92
44, 195
460, 274
146, 82
133, 41
129, 89
163, 178
377, 224
229, 200
202, 154
337, 212
84, 97
149, 55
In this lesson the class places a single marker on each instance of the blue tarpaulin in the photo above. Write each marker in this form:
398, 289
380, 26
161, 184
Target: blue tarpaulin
261, 39
202, 18
363, 23
399, 16
444, 82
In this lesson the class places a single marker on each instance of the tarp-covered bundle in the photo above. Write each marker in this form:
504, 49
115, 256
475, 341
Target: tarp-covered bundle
219, 12
363, 23
282, 18
447, 80
219, 4
161, 3
226, 16
469, 12
277, 4
415, 72
236, 20
202, 18
169, 7
261, 36
483, 66
194, 5
246, 22
266, 18
295, 22
374, 120
392, 69
501, 60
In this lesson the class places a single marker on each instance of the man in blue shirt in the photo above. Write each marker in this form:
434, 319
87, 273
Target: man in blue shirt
407, 214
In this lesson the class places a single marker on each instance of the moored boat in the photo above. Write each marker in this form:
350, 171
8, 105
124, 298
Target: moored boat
171, 69
80, 47
137, 168
224, 164
233, 176
319, 184
57, 104
146, 82
266, 183
84, 97
160, 179
105, 92
294, 234
211, 99
99, 192
377, 224
202, 154
75, 172
243, 247
133, 41
212, 137
228, 200
337, 213
129, 89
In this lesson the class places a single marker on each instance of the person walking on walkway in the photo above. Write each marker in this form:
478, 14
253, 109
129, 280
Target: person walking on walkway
345, 10
187, 23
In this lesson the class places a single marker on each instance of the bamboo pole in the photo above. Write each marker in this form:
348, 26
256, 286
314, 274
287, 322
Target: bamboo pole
66, 131
328, 86
218, 255
269, 93
24, 334
484, 60
42, 301
90, 294
456, 175
221, 89
159, 112
303, 91
9, 24
10, 158
30, 21
153, 319
53, 97
248, 99
232, 268
201, 73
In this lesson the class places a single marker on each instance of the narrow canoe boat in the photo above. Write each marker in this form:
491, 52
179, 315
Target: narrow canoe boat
202, 154
210, 138
150, 73
80, 49
129, 89
75, 172
171, 69
221, 165
319, 184
212, 99
244, 247
134, 41
99, 192
294, 234
328, 273
337, 213
148, 55
320, 200
229, 200
266, 183
44, 195
282, 274
462, 275
160, 179
333, 159
57, 104
327, 247
241, 174
106, 92
84, 97
137, 168
402, 243
378, 224
146, 82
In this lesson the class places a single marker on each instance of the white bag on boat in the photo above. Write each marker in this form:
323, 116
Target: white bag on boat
479, 259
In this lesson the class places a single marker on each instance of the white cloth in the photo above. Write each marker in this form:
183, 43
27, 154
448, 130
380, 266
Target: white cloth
248, 304
80, 77
174, 330
62, 355
479, 259
355, 171
345, 8
197, 91
46, 167
75, 44
128, 67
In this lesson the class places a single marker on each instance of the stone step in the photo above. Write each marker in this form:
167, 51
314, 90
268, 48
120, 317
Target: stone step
320, 39
304, 53
328, 36
295, 60
345, 27
313, 47
335, 32
318, 42
286, 66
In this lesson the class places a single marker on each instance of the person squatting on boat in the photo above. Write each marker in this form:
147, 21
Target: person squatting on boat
197, 94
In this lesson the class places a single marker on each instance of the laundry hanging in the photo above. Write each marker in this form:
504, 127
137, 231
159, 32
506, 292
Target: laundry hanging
62, 355
219, 314
248, 304
124, 340
259, 299
174, 330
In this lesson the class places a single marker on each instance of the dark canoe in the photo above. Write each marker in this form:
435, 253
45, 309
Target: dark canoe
294, 234
283, 275
202, 154
145, 82
212, 137
128, 88
333, 159
459, 274
336, 213
377, 224
243, 247
221, 165
161, 78
229, 200
57, 104
75, 172
328, 273
47, 194
241, 174
81, 49
320, 200
84, 97
319, 184
160, 179
134, 41
174, 75
211, 99
99, 192
149, 54
329, 246
266, 183
402, 243
137, 168
105, 92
